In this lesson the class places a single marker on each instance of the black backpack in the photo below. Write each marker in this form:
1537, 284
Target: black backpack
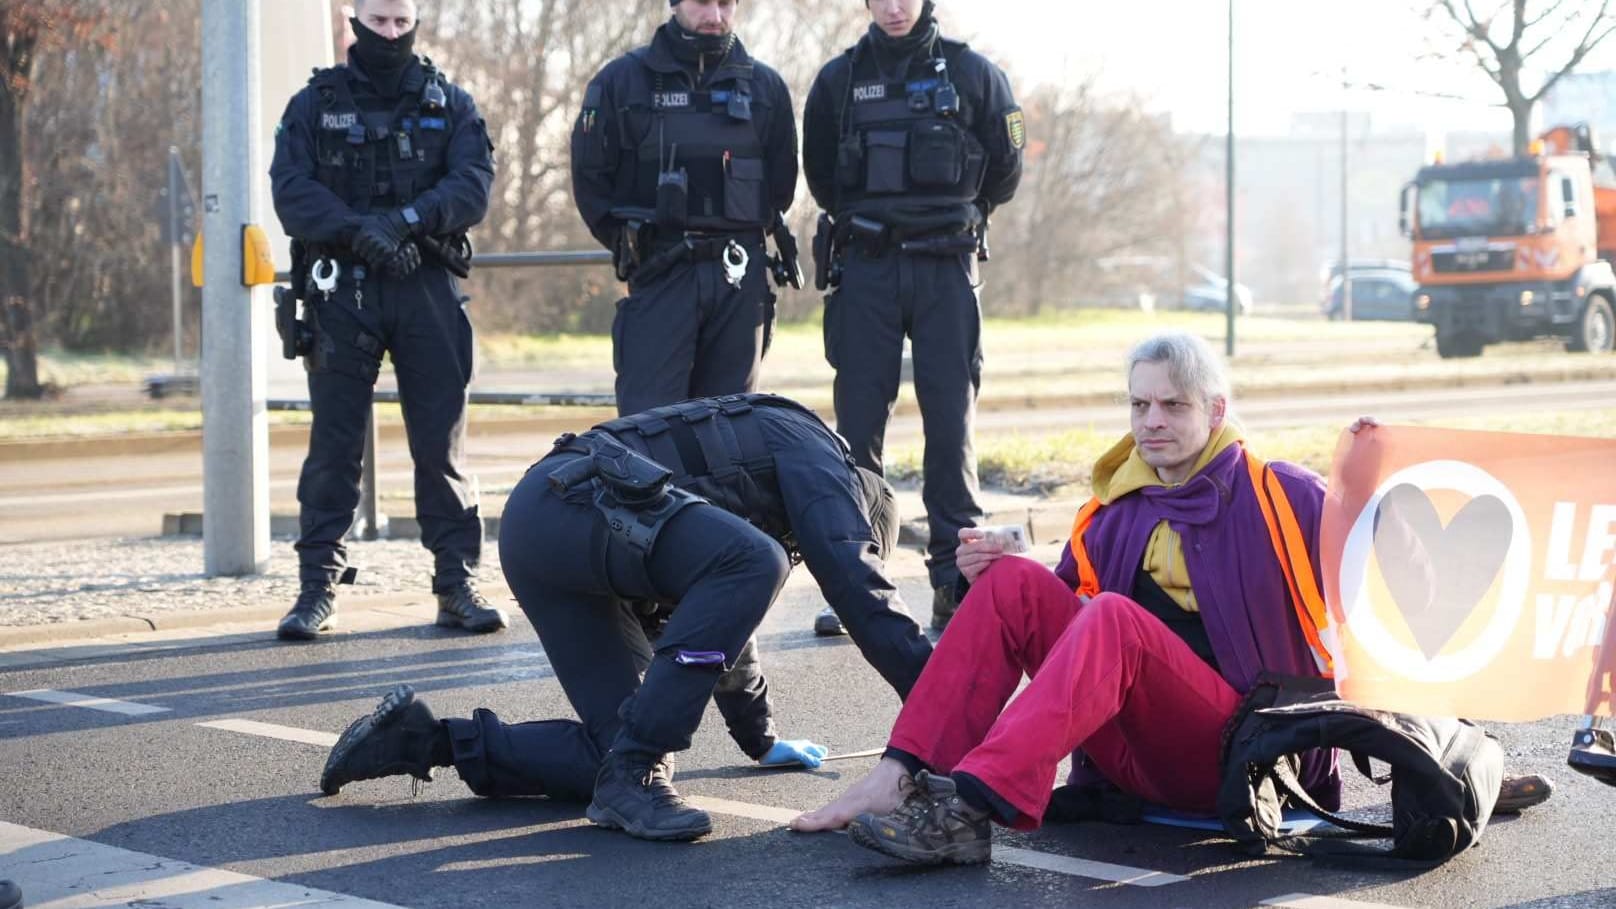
1445, 774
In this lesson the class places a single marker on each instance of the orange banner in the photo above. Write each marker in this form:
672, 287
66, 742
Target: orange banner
1471, 573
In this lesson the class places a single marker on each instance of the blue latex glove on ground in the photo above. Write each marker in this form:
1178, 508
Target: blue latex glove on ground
800, 751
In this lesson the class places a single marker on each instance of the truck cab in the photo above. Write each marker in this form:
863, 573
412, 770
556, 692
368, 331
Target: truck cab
1516, 248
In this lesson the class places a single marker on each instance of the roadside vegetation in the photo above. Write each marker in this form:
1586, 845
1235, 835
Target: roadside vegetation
1058, 466
1062, 358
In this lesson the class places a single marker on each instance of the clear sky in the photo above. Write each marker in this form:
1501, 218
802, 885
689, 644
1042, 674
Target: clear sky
1289, 57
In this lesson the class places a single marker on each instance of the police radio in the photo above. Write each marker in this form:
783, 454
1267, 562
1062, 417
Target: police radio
673, 194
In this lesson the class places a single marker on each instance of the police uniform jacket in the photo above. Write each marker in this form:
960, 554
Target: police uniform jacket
920, 141
770, 460
730, 128
342, 150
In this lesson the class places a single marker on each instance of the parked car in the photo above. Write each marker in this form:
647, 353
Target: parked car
1381, 294
1211, 293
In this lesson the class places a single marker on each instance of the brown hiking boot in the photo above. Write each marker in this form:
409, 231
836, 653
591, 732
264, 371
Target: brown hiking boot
1518, 793
932, 826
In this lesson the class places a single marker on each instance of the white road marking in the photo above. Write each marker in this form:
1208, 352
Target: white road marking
742, 809
1009, 855
872, 752
1309, 901
61, 872
272, 731
75, 699
1076, 867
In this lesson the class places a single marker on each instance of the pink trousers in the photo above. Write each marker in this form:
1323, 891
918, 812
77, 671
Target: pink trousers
1107, 677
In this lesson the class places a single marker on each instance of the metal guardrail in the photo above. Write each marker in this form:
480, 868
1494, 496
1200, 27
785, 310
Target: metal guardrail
370, 516
564, 257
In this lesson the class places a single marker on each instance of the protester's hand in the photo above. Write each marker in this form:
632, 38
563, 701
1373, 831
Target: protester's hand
404, 261
1363, 423
798, 751
975, 553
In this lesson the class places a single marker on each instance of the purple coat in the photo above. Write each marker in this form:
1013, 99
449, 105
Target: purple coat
1239, 584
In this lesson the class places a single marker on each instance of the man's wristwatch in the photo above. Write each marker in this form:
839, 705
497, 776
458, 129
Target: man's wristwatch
412, 218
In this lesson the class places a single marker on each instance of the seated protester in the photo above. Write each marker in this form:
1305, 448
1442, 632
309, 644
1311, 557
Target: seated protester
694, 505
1169, 600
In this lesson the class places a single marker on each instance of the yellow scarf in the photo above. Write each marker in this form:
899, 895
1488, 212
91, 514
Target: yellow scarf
1121, 471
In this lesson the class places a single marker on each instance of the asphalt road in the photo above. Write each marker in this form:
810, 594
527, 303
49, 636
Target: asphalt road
119, 494
192, 782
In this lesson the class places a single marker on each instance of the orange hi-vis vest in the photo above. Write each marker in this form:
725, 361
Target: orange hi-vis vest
1290, 549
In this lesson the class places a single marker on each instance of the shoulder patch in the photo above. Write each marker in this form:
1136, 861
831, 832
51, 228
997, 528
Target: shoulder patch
1016, 125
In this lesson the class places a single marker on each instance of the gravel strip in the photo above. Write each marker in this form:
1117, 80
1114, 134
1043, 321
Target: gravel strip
48, 583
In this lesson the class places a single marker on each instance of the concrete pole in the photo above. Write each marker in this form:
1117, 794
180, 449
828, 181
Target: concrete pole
174, 244
1230, 301
235, 425
1346, 206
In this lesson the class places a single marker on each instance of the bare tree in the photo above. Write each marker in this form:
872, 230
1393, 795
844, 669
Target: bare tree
1506, 37
1103, 179
25, 27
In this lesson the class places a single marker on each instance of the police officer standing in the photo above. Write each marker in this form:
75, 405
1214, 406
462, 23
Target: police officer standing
380, 168
910, 140
684, 156
696, 505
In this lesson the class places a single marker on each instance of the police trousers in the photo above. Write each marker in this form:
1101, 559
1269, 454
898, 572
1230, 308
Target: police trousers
421, 323
933, 301
571, 577
687, 333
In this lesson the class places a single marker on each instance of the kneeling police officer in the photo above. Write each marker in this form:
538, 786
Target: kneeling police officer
701, 506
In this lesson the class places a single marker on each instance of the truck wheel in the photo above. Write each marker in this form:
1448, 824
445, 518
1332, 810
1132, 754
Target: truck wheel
1595, 332
1457, 345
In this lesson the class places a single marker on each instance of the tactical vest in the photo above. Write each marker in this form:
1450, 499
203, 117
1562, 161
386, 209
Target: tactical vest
904, 148
711, 135
379, 160
717, 450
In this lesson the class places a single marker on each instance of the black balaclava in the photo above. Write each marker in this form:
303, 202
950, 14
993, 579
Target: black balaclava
919, 38
382, 60
881, 506
692, 47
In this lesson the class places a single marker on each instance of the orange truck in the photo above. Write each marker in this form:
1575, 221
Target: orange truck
1514, 248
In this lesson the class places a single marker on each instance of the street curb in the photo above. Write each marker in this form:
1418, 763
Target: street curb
349, 605
1046, 522
191, 440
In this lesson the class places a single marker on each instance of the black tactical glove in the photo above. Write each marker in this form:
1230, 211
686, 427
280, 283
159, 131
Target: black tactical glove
381, 234
378, 237
404, 261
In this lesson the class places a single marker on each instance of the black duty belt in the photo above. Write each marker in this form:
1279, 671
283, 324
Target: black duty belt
704, 245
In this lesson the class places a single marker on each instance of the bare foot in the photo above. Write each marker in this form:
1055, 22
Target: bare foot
877, 793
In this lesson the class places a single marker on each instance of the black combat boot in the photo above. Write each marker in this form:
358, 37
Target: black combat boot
400, 736
828, 623
315, 611
465, 607
10, 895
943, 606
634, 793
